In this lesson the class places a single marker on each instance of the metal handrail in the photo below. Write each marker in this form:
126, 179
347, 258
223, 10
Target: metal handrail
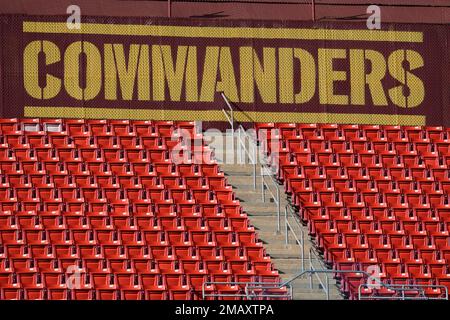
248, 289
276, 196
231, 120
394, 287
287, 284
230, 117
403, 288
288, 227
324, 286
252, 157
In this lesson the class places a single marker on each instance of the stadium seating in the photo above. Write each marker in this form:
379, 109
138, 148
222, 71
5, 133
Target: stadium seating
106, 198
371, 195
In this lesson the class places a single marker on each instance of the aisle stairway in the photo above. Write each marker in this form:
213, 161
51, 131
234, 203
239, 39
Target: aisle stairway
263, 215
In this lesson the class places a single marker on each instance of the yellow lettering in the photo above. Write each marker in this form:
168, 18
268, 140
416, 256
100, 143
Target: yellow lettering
31, 69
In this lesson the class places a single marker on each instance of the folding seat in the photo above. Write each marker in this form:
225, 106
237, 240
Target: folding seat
94, 195
122, 127
210, 253
17, 140
77, 168
164, 128
399, 274
105, 169
96, 265
6, 266
190, 257
31, 281
244, 271
12, 294
57, 294
14, 250
227, 238
324, 221
104, 281
35, 294
156, 294
156, 238
146, 264
9, 124
90, 252
230, 291
82, 294
99, 127
91, 155
12, 237
423, 242
75, 126
131, 237
145, 128
171, 267
108, 294
132, 294
352, 281
25, 154
332, 245
365, 255
197, 284
181, 196
128, 281
209, 196
162, 196
69, 250
179, 287
85, 237
344, 260
9, 280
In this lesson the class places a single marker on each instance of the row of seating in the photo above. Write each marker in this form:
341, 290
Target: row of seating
124, 252
73, 127
355, 132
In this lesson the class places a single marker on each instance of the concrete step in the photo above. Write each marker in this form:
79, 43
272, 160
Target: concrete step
263, 216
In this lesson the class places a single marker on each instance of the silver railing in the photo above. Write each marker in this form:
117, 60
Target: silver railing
229, 117
242, 137
267, 180
400, 292
251, 152
299, 239
249, 290
324, 283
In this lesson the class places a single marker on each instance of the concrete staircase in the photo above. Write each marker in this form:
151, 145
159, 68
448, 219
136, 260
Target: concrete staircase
263, 216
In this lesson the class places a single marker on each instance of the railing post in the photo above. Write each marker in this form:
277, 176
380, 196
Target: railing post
232, 133
327, 286
286, 227
238, 147
254, 162
303, 249
278, 201
263, 195
310, 273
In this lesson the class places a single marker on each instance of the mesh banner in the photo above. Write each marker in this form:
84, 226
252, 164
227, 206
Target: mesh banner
272, 71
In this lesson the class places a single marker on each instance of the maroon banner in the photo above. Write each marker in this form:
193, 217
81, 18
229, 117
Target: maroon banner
154, 68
